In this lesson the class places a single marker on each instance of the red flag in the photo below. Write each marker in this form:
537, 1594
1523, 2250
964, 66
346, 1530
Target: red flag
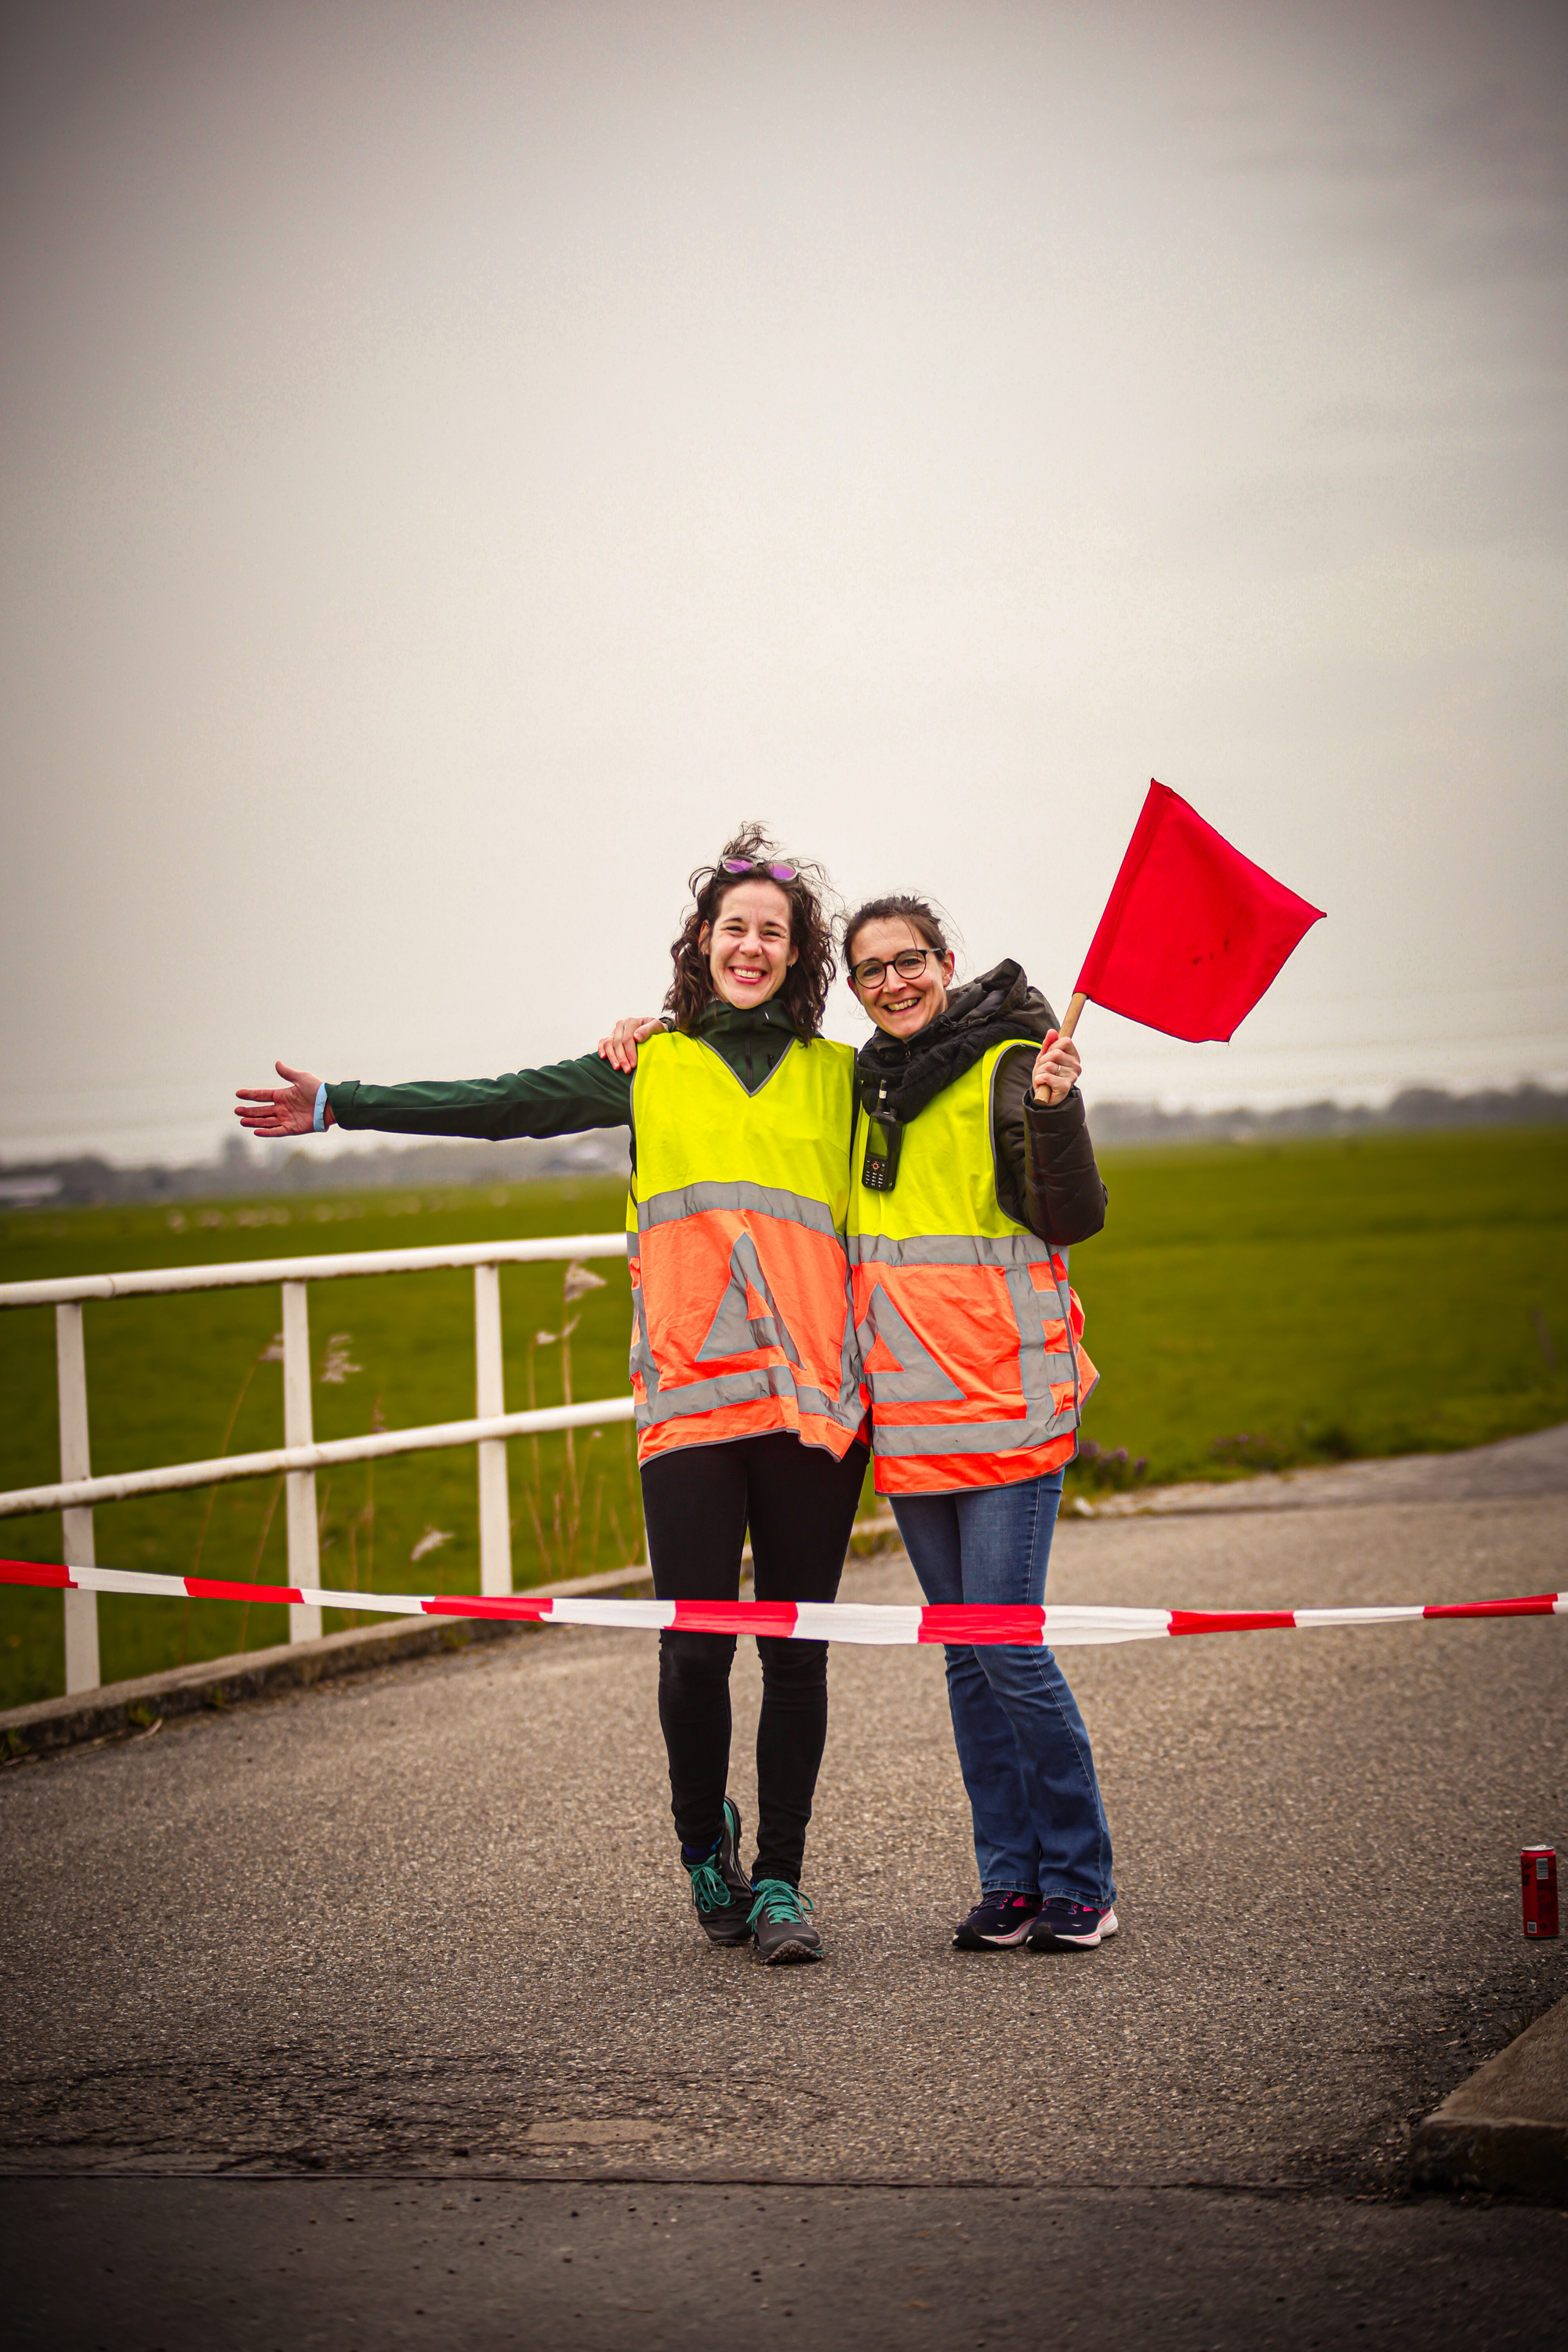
1193, 932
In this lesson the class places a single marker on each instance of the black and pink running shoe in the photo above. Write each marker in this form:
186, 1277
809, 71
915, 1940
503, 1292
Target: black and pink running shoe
996, 1921
1063, 1926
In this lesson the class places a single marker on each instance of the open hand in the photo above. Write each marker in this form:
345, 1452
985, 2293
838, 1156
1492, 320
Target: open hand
281, 1110
1057, 1068
620, 1047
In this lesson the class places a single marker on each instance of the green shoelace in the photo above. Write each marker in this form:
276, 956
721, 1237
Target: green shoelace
777, 1900
709, 1891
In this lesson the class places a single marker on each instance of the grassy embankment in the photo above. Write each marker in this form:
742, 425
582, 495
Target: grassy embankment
1248, 1308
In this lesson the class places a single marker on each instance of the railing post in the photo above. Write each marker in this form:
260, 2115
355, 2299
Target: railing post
490, 1397
81, 1607
304, 1552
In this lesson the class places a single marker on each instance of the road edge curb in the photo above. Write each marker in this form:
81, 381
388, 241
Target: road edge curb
1503, 2155
1478, 2139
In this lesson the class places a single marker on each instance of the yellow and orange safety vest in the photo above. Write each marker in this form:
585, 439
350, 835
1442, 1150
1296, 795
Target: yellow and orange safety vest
969, 1333
742, 1321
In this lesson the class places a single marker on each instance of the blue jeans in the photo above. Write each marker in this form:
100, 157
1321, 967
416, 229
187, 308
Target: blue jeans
1040, 1824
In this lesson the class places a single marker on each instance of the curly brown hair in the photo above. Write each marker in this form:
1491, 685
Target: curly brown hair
803, 996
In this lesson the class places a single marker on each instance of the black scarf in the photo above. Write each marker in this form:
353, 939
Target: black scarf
895, 1078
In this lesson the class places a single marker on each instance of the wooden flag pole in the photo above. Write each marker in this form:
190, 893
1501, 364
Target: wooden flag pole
1073, 1009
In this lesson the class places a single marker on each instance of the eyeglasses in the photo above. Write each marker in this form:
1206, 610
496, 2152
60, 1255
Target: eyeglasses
909, 963
758, 866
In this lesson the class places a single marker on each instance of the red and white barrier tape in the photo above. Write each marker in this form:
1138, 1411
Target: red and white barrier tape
806, 1620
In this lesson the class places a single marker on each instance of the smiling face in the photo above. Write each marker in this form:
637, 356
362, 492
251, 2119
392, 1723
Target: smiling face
903, 1006
747, 944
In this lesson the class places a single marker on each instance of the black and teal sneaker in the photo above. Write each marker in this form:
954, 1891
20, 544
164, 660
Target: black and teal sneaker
722, 1895
780, 1924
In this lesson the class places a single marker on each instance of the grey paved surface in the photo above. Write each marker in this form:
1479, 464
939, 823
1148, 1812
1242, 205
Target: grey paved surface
1515, 1467
285, 2266
428, 1922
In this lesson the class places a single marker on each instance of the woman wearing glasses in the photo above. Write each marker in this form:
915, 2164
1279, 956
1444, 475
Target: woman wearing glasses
743, 1363
971, 1170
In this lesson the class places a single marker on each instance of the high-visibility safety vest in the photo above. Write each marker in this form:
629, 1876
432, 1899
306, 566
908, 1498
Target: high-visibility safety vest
742, 1321
968, 1330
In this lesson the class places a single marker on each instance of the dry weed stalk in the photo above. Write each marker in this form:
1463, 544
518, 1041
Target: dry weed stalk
565, 1537
363, 1521
271, 1354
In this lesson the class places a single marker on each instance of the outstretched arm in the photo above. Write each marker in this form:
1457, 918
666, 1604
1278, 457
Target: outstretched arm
563, 1098
282, 1110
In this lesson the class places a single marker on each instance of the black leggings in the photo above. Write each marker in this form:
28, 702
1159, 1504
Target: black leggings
799, 1504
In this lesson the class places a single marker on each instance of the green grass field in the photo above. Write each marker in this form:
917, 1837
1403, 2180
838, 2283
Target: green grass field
1248, 1308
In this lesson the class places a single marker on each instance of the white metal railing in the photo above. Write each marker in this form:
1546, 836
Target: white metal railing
300, 1455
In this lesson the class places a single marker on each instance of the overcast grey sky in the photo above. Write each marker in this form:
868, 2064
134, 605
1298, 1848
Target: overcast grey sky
459, 459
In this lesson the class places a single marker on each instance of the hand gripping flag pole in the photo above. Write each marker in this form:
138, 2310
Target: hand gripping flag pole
1193, 932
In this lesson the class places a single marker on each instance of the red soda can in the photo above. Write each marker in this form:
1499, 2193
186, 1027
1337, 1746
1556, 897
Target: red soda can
1538, 1869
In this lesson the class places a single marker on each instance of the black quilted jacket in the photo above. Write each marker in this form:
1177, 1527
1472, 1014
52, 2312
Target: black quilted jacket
1046, 1173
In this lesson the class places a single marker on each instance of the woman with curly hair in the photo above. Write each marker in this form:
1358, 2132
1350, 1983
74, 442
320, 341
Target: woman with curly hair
744, 1362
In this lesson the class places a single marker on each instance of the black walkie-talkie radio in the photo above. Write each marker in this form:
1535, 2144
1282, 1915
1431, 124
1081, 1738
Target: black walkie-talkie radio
884, 1138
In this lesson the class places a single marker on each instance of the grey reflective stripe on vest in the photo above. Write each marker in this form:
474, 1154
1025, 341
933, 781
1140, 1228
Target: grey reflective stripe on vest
643, 1366
972, 1436
952, 1249
922, 1379
761, 1199
1040, 1374
732, 1331
740, 1388
1040, 1370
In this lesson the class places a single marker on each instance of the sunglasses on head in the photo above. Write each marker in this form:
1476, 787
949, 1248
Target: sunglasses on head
780, 873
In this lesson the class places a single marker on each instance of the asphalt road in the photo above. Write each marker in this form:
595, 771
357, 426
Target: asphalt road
413, 1947
290, 2266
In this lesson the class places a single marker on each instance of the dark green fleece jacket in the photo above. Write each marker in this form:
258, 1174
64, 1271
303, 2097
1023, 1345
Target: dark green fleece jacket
563, 1098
